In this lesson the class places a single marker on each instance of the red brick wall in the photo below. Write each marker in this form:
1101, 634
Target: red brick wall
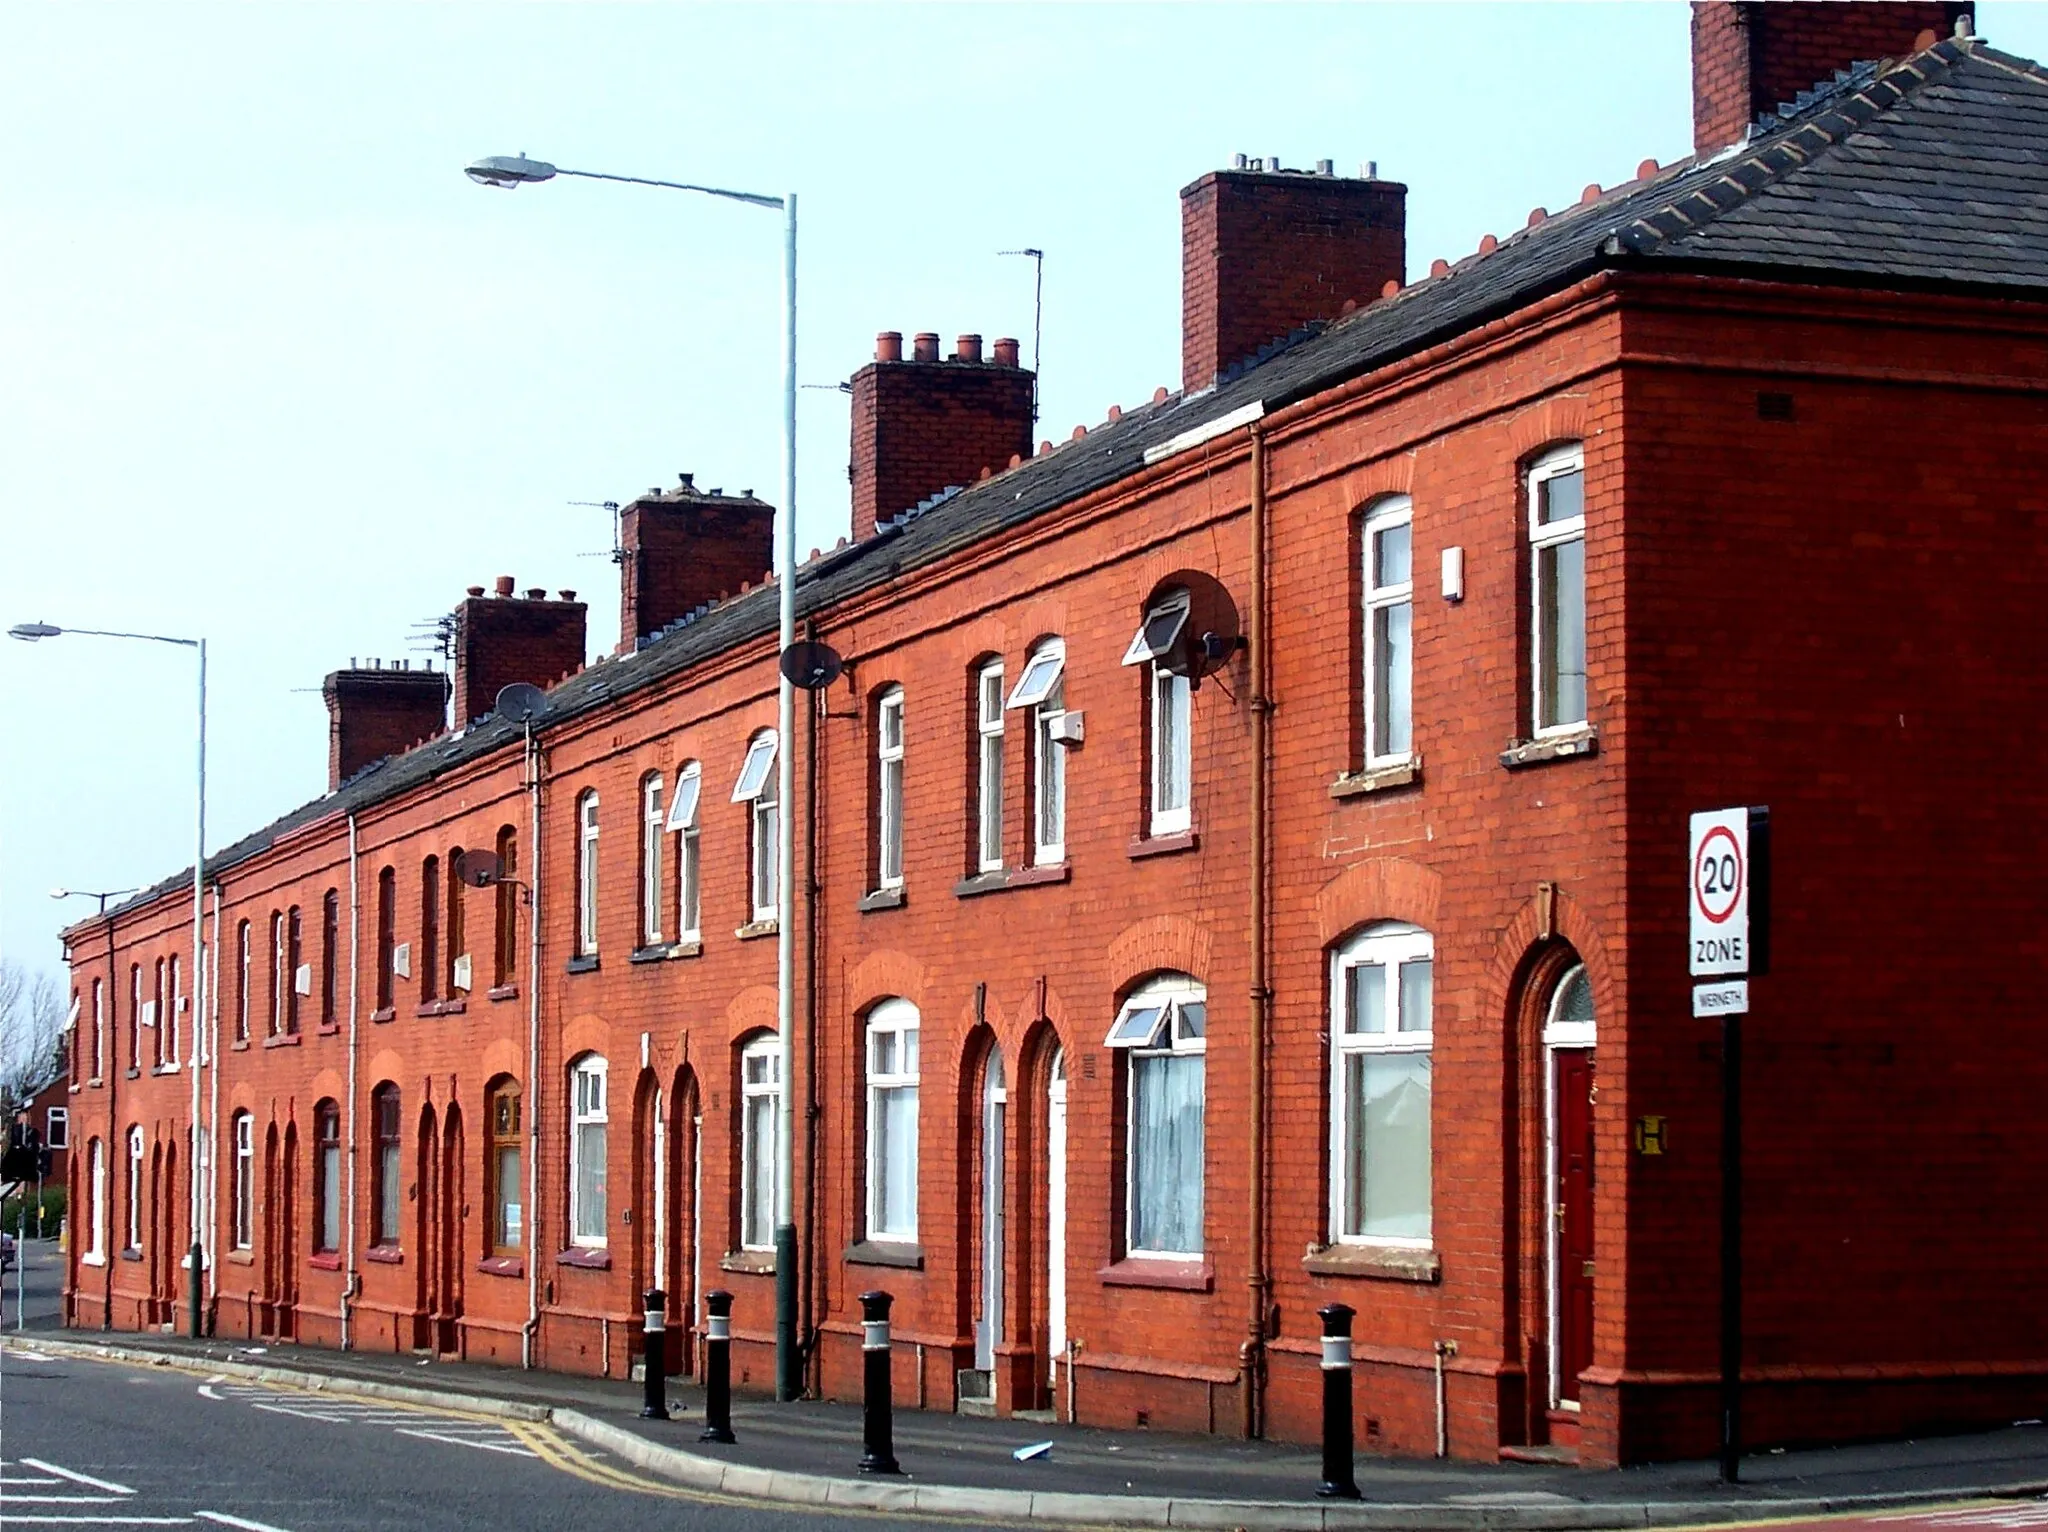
499, 640
923, 425
1264, 252
375, 713
684, 549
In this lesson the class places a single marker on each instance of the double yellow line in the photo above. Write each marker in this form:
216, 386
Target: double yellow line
547, 1444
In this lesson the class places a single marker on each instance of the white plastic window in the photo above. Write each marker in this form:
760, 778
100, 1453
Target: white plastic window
170, 1018
889, 789
988, 776
653, 827
588, 1127
134, 1190
243, 1204
1171, 698
682, 822
1389, 603
1381, 1029
1557, 588
1163, 1029
1049, 767
99, 1030
892, 1070
760, 1104
757, 786
586, 874
96, 1170
57, 1128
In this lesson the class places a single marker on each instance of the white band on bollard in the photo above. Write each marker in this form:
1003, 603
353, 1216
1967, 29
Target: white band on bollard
874, 1335
1336, 1353
718, 1327
654, 1322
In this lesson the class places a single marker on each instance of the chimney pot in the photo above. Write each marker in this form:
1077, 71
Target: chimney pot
536, 593
1326, 167
925, 348
968, 348
889, 346
568, 595
1240, 162
474, 590
687, 480
1006, 352
505, 584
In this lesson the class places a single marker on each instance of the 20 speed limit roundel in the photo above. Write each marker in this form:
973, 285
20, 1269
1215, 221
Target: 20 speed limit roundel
1718, 875
1718, 896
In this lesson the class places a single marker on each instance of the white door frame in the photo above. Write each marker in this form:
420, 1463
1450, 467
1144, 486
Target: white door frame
995, 1096
1558, 1037
659, 1145
1056, 1218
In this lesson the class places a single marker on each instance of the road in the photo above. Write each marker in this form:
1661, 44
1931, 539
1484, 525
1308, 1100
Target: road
90, 1443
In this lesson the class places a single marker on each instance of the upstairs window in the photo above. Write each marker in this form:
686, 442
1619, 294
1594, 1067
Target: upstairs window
153, 1015
387, 1170
456, 968
760, 1118
1162, 1031
327, 1203
889, 789
135, 1010
505, 1170
892, 1070
757, 786
243, 940
988, 767
57, 1128
1168, 715
1557, 588
1381, 986
505, 939
280, 977
99, 1030
330, 958
586, 875
588, 1127
298, 978
387, 936
174, 1005
1388, 584
430, 930
653, 829
1041, 692
682, 822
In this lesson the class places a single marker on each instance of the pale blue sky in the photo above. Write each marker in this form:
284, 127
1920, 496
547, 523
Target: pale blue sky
274, 371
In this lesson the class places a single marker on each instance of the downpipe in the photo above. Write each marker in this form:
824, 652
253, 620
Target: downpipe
532, 1209
1251, 1355
349, 1281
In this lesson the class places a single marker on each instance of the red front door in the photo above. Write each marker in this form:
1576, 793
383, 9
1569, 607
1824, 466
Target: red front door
1572, 1281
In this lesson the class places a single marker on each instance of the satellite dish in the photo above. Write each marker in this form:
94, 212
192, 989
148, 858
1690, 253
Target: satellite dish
519, 702
810, 665
479, 869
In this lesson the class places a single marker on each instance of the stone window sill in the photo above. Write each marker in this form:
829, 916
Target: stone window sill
656, 953
584, 964
387, 1013
1564, 746
131, 1255
1143, 1271
89, 1259
136, 1074
1389, 1263
1142, 846
282, 1040
241, 1257
505, 992
385, 1255
1000, 878
667, 950
165, 1069
95, 1083
502, 1266
757, 928
1378, 779
882, 1252
324, 1260
758, 1262
329, 1029
881, 899
588, 1258
454, 1007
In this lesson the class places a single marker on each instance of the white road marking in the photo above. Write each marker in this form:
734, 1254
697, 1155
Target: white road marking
459, 1441
63, 1499
206, 1392
237, 1521
76, 1478
105, 1521
39, 1479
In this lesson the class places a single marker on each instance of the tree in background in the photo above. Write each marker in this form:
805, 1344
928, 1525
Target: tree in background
32, 1026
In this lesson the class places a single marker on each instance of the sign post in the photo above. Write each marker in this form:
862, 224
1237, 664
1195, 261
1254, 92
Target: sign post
1728, 901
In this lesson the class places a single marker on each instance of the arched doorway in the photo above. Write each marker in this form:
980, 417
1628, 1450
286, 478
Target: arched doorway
426, 1232
286, 1317
682, 1225
452, 1212
988, 1322
1056, 1226
1569, 1085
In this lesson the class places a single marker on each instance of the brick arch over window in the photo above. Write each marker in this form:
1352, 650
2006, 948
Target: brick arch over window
327, 1083
504, 1058
961, 1055
1550, 917
1160, 944
1549, 423
387, 1064
985, 638
886, 975
1381, 888
1394, 475
586, 1034
753, 1009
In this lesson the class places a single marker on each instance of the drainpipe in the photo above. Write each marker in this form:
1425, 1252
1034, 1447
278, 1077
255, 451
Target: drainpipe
355, 970
1252, 1354
808, 1316
99, 1201
533, 1060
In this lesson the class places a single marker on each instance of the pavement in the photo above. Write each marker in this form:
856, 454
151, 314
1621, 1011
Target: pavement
805, 1454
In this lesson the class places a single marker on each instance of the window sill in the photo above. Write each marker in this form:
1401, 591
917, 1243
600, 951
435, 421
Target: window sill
282, 1040
589, 1259
165, 1069
454, 1007
136, 1074
427, 1008
998, 879
1563, 746
1378, 779
385, 1255
504, 992
89, 1259
756, 928
324, 1260
388, 1013
882, 1252
131, 1255
584, 964
240, 1257
653, 954
1144, 1271
1142, 846
329, 1029
758, 1262
1389, 1263
502, 1266
95, 1083
881, 899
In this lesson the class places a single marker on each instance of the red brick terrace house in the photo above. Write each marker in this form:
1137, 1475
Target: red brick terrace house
1244, 854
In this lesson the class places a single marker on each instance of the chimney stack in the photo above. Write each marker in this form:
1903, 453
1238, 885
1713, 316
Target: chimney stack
373, 713
923, 425
683, 547
1750, 58
499, 640
1266, 250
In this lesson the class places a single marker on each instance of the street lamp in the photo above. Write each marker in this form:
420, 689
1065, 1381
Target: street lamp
508, 171
90, 893
30, 632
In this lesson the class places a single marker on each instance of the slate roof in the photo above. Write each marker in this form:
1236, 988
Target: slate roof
1928, 171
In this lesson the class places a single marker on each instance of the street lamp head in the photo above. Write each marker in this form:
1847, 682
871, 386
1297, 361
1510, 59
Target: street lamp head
31, 631
60, 893
508, 170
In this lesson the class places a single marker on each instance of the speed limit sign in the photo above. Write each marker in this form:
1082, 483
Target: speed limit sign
1722, 873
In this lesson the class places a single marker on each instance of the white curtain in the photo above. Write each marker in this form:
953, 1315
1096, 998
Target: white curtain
895, 1161
1166, 1152
590, 1150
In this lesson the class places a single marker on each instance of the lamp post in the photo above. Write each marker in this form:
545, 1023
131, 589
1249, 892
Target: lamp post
196, 1256
514, 170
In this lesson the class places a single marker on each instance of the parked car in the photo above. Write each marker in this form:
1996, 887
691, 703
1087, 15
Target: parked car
6, 1252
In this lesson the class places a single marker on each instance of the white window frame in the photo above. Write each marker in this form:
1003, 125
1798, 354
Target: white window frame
988, 767
588, 1090
95, 1253
1161, 629
99, 1029
170, 1016
889, 804
135, 1016
57, 1124
586, 873
1392, 745
758, 1083
333, 1212
1555, 464
682, 822
1041, 689
757, 786
278, 979
242, 1205
653, 827
1390, 946
892, 1067
1169, 702
1155, 1022
132, 1235
244, 957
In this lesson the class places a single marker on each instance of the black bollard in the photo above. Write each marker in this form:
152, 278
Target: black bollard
1339, 1481
717, 1367
878, 1429
655, 1405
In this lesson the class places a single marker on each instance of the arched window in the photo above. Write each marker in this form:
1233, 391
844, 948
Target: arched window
153, 1015
892, 1076
889, 789
173, 1005
1557, 589
99, 1031
682, 821
387, 937
1162, 1031
133, 1190
1169, 721
588, 1147
280, 978
96, 1191
1388, 593
1041, 691
586, 875
387, 1170
327, 1192
430, 930
243, 959
988, 766
504, 1171
760, 1117
1570, 1023
653, 829
757, 786
135, 1016
298, 979
1381, 987
456, 967
330, 959
242, 1203
505, 943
